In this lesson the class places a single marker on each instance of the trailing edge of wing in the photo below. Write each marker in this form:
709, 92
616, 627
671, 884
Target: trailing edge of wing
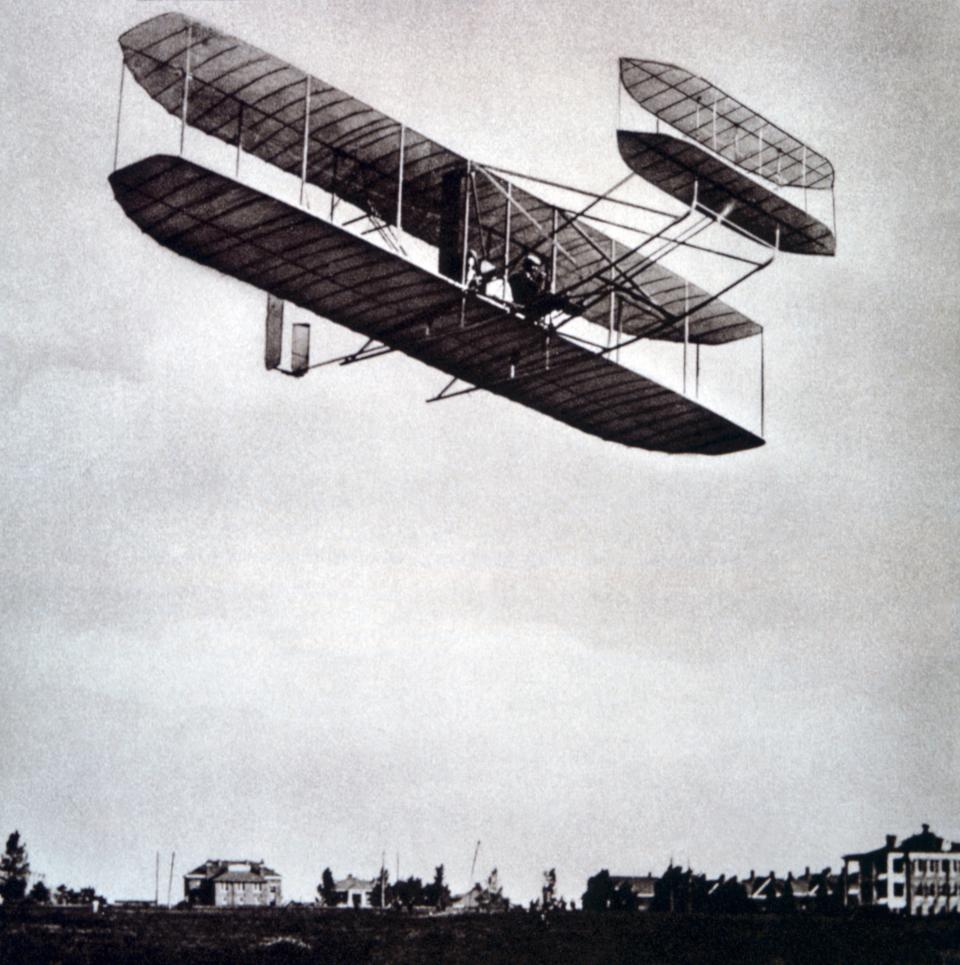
293, 255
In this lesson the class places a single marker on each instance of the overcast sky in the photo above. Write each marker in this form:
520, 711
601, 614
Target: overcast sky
314, 621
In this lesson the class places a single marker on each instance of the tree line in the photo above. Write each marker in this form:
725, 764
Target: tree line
406, 893
15, 876
679, 890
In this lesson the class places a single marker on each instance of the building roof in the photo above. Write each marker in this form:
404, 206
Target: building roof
350, 883
925, 840
218, 869
234, 876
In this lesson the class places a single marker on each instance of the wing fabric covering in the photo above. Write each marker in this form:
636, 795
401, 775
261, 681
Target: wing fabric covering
703, 112
246, 97
674, 165
295, 256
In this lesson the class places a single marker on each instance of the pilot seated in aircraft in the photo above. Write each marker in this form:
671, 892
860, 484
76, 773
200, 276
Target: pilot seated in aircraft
528, 286
528, 282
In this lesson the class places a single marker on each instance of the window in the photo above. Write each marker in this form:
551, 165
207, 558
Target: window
922, 864
898, 865
898, 889
881, 889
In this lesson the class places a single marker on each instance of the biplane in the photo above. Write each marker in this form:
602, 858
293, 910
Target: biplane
511, 270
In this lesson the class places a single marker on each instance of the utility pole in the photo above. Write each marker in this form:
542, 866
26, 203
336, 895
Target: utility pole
156, 883
383, 889
173, 854
473, 867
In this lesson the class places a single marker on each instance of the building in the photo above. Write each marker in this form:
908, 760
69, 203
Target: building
813, 890
232, 884
641, 887
920, 876
355, 892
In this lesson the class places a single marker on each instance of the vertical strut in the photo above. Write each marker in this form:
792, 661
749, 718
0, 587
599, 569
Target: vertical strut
403, 133
803, 175
686, 330
306, 135
116, 145
613, 294
333, 188
553, 257
239, 140
762, 385
833, 206
466, 229
696, 384
506, 240
186, 86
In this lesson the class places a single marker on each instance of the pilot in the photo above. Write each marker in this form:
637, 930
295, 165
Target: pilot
527, 284
529, 288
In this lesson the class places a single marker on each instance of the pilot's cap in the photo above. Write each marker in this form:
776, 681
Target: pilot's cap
532, 261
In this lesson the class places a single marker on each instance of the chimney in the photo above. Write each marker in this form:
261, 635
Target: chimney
926, 829
891, 841
806, 873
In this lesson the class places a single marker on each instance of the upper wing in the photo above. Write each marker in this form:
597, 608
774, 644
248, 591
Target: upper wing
292, 254
700, 110
239, 93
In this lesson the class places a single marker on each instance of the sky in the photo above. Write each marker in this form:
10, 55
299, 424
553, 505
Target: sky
316, 621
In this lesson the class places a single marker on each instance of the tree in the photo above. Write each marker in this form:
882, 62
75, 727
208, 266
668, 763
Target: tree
327, 889
70, 896
491, 897
382, 893
549, 890
437, 894
14, 869
39, 893
599, 894
410, 893
624, 898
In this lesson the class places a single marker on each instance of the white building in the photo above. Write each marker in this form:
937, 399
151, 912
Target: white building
920, 876
233, 884
355, 892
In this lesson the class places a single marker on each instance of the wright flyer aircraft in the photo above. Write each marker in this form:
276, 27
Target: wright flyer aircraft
509, 276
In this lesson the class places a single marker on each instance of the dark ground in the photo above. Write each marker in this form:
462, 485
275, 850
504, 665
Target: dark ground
306, 935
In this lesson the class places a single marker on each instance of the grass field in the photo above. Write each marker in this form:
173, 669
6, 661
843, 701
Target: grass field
305, 935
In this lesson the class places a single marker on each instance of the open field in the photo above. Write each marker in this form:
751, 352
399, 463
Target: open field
304, 935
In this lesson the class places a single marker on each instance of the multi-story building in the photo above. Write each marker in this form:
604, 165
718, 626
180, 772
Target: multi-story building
232, 884
920, 876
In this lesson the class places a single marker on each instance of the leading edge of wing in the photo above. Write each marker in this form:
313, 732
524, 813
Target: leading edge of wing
258, 239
